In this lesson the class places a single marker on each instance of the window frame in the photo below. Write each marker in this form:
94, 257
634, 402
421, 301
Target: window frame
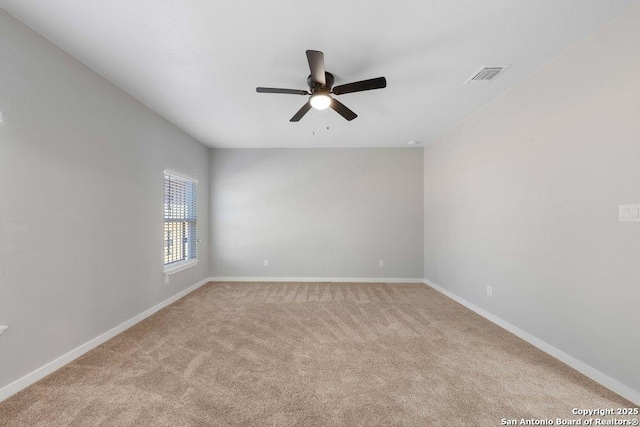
178, 266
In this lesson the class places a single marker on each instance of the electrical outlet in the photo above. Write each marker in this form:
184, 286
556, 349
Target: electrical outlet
489, 290
266, 263
381, 263
3, 328
166, 279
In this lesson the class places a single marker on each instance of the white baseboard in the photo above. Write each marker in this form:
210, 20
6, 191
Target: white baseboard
317, 279
52, 366
594, 374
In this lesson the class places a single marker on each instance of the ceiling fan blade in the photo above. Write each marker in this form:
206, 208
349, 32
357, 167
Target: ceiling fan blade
360, 86
316, 65
286, 91
301, 112
342, 110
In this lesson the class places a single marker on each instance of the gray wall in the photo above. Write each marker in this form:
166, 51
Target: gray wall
81, 203
317, 212
524, 196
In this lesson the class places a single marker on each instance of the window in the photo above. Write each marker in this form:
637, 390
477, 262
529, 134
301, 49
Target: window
180, 221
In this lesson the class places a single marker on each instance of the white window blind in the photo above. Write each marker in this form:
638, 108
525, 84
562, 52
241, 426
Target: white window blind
180, 220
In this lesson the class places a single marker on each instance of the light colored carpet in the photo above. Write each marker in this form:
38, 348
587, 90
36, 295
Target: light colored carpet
309, 354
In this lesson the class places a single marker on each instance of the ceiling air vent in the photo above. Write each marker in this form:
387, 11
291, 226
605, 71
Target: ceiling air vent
487, 74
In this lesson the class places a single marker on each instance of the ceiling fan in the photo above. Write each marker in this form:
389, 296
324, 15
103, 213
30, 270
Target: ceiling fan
320, 85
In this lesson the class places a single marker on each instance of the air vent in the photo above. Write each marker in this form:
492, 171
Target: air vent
487, 74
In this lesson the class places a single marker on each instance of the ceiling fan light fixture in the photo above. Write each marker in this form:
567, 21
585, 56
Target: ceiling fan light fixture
321, 88
320, 101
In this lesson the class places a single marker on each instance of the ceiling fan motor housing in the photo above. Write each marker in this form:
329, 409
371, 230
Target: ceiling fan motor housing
315, 86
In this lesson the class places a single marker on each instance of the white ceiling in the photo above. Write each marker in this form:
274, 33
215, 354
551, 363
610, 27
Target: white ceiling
197, 62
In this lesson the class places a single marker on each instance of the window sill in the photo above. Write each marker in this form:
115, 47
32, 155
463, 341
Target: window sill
180, 267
